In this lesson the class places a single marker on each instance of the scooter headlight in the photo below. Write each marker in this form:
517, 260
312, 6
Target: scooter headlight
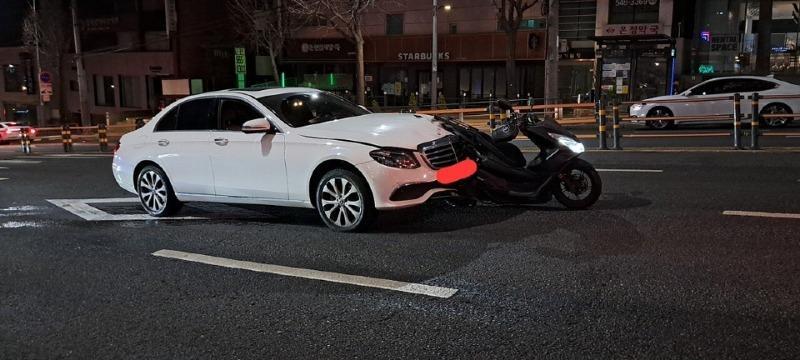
568, 142
396, 158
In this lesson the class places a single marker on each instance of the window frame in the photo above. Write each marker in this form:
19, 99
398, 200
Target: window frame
222, 99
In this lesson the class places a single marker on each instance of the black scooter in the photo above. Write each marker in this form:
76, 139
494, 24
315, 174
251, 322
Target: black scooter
504, 176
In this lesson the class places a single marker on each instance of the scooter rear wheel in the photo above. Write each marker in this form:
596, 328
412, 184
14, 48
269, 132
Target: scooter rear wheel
578, 186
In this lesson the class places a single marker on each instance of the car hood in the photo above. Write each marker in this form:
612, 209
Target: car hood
382, 130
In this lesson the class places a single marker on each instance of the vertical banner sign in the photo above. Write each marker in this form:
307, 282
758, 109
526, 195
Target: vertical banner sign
171, 16
45, 86
240, 62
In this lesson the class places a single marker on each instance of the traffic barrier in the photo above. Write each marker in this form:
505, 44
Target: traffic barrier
755, 130
102, 137
737, 121
615, 127
66, 138
601, 123
25, 141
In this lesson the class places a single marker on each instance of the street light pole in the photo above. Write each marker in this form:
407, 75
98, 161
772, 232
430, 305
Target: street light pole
40, 107
434, 59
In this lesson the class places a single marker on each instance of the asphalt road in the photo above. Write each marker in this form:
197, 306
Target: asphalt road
654, 270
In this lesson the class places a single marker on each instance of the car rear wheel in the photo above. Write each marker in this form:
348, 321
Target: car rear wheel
660, 124
776, 109
344, 201
155, 192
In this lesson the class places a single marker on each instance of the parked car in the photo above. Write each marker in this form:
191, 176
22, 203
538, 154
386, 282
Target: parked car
689, 102
292, 147
11, 131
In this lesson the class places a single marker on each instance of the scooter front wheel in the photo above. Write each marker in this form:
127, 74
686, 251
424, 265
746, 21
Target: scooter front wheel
578, 186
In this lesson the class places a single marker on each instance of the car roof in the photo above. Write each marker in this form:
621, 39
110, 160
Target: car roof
259, 93
753, 77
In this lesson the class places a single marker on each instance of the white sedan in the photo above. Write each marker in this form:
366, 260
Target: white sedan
690, 102
292, 147
11, 131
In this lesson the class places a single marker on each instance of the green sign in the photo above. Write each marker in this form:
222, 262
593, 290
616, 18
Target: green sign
240, 61
706, 69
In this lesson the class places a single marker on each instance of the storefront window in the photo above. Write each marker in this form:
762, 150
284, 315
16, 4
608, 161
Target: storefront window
13, 77
104, 90
394, 24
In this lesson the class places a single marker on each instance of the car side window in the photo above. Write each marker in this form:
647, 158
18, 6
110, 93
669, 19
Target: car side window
234, 113
753, 85
169, 121
713, 87
198, 114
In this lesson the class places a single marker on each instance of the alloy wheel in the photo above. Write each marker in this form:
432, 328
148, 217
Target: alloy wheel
342, 202
660, 124
775, 122
153, 192
576, 185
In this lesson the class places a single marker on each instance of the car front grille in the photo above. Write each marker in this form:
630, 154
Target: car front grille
442, 152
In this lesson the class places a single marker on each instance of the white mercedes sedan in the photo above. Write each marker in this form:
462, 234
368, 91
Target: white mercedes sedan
701, 101
293, 147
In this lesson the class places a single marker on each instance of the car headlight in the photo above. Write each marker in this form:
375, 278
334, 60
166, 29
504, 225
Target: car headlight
568, 142
396, 158
636, 107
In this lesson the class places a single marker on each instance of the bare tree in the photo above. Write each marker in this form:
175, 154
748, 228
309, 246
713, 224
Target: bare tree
509, 17
49, 26
344, 16
263, 24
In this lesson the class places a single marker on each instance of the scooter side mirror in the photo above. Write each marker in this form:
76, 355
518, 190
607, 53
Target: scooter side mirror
504, 105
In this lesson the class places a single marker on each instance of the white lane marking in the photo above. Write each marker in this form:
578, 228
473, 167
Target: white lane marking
3, 168
762, 214
71, 156
412, 288
19, 162
21, 208
18, 224
632, 170
81, 208
1, 179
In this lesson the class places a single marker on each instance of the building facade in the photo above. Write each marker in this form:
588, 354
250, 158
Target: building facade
471, 54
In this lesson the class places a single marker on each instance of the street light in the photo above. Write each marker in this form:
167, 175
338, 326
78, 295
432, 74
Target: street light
435, 55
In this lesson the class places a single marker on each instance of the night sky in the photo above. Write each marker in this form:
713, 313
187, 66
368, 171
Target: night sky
12, 12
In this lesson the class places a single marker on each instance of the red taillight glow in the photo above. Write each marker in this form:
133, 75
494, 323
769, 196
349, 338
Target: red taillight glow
33, 131
459, 171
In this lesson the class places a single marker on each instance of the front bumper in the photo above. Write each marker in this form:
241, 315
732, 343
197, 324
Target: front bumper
394, 188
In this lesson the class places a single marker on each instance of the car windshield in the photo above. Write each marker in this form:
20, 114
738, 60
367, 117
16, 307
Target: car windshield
298, 109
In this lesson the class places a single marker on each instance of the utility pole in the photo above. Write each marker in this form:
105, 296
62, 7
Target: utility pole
40, 107
764, 37
79, 64
551, 62
435, 59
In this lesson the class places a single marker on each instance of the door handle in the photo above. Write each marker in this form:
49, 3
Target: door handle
221, 141
163, 142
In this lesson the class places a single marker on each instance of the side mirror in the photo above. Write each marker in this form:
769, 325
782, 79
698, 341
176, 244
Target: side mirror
256, 126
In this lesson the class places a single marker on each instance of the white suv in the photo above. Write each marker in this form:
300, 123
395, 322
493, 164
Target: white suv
690, 102
288, 147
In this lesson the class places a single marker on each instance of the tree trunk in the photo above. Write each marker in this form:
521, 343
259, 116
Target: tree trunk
82, 86
551, 62
764, 37
512, 87
275, 73
361, 85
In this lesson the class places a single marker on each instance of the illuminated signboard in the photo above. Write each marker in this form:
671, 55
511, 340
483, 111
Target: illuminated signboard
706, 69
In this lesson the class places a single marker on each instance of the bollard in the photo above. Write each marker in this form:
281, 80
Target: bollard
755, 130
616, 135
737, 121
601, 126
25, 141
102, 137
66, 138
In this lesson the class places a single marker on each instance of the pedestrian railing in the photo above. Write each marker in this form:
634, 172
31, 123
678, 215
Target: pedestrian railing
608, 125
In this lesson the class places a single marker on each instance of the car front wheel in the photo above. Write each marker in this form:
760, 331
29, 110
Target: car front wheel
775, 109
344, 201
155, 192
